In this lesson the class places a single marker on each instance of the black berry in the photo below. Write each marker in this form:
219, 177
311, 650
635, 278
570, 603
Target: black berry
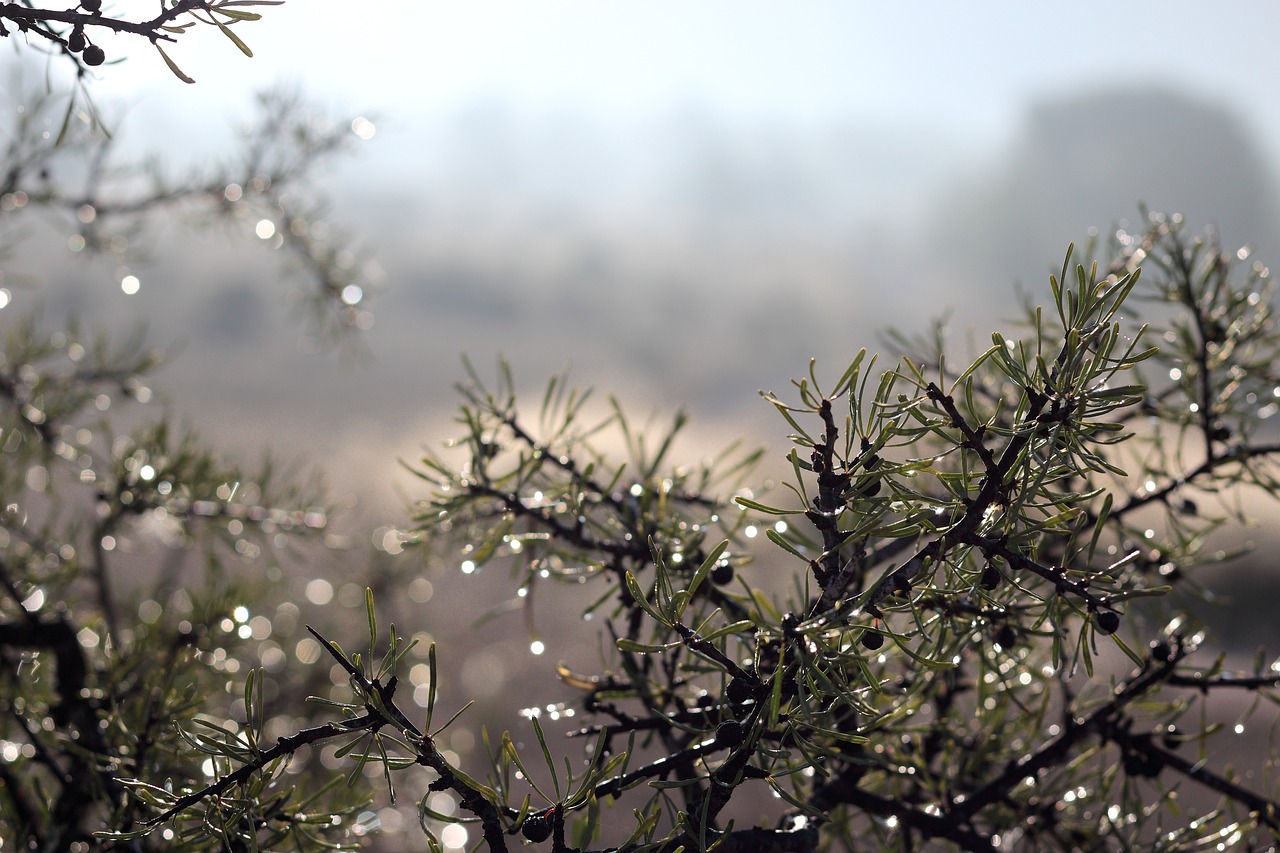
872, 639
738, 691
990, 578
722, 574
789, 624
1006, 636
93, 7
537, 827
729, 733
93, 55
1108, 621
1142, 764
869, 486
76, 41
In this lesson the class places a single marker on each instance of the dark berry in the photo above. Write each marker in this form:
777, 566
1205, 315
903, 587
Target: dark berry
537, 827
1006, 636
990, 578
789, 624
76, 41
1143, 764
1171, 737
1108, 621
869, 486
1160, 651
93, 55
738, 691
93, 7
729, 733
722, 574
872, 639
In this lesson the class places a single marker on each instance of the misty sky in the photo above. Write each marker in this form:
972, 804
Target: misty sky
707, 194
959, 66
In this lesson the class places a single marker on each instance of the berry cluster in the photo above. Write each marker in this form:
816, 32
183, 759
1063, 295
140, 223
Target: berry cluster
78, 42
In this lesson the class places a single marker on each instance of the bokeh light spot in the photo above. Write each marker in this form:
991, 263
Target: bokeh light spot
454, 836
319, 591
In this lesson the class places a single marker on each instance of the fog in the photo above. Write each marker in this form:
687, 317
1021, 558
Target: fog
688, 259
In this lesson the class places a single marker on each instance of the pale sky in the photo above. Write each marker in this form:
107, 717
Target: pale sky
963, 65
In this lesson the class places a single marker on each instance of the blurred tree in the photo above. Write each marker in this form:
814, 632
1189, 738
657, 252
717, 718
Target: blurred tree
973, 649
134, 560
103, 203
1076, 160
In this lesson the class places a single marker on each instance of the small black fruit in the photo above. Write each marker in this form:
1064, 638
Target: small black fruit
1143, 765
729, 733
738, 691
1108, 621
990, 578
93, 55
790, 622
537, 827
